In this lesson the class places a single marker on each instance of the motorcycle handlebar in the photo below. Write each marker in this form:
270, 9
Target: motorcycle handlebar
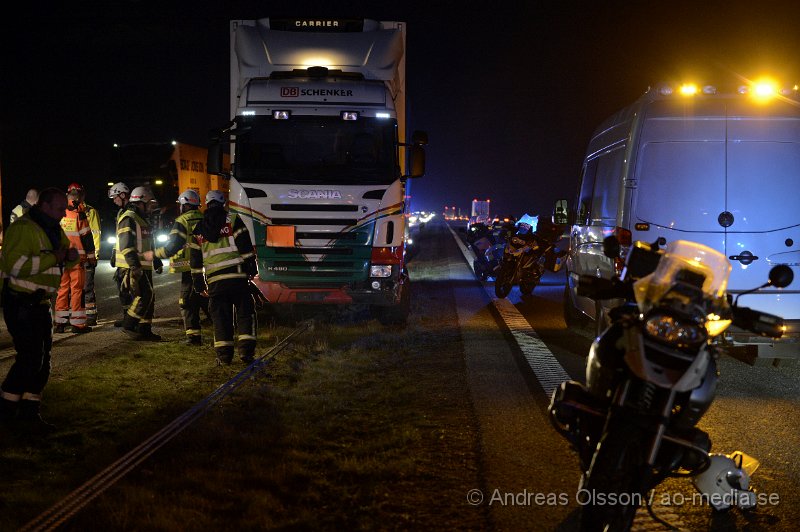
758, 322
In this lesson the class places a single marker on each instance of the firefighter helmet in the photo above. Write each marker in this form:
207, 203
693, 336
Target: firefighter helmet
143, 194
215, 195
74, 186
189, 197
117, 189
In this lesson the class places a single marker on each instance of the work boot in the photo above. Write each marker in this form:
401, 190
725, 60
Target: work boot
119, 323
146, 334
30, 420
91, 321
59, 328
246, 356
80, 330
224, 357
193, 339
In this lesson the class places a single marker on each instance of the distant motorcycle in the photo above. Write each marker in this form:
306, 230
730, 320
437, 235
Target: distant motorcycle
530, 250
650, 377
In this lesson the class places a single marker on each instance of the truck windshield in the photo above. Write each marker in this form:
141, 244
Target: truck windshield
317, 149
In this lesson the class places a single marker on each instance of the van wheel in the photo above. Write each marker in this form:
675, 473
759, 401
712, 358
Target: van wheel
574, 318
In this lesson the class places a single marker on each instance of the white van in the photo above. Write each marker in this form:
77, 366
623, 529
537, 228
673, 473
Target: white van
721, 169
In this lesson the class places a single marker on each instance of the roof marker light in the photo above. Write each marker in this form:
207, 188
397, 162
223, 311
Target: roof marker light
281, 115
382, 115
248, 112
688, 89
709, 89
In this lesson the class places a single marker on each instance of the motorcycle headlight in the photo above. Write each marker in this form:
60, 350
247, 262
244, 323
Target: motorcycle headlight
672, 331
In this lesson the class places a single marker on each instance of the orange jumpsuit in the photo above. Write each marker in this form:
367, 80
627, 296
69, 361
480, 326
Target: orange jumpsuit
70, 304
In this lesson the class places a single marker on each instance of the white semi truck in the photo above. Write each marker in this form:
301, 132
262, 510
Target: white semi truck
320, 159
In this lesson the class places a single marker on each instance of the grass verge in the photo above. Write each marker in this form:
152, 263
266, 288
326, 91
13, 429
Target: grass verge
356, 427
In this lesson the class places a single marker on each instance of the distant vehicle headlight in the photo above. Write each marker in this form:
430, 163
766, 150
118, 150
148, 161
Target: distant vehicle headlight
162, 238
111, 240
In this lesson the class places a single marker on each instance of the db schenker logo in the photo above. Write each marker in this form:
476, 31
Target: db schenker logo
290, 92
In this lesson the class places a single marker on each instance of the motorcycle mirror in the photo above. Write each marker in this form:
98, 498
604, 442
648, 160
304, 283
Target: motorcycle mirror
781, 276
611, 247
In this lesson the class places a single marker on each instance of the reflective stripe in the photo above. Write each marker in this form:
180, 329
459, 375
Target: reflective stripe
18, 266
223, 343
218, 251
35, 264
13, 397
227, 276
230, 262
31, 286
246, 337
28, 396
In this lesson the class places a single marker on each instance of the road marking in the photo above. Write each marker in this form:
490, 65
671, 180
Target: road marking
541, 360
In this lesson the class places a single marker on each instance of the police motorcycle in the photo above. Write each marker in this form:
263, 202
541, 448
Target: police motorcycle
650, 377
530, 250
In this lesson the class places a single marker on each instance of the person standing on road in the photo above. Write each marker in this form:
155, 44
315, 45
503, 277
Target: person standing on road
222, 247
30, 199
34, 253
70, 305
89, 296
135, 256
177, 250
119, 193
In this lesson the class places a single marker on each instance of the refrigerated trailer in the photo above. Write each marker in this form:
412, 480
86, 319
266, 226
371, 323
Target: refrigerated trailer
319, 159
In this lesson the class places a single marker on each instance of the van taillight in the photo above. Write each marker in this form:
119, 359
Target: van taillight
624, 236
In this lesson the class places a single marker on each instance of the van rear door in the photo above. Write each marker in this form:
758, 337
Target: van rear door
725, 172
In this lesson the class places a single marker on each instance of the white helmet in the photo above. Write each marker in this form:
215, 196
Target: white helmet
117, 189
726, 482
189, 197
143, 194
215, 195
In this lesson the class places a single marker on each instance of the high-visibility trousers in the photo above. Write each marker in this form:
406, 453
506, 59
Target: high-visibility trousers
70, 305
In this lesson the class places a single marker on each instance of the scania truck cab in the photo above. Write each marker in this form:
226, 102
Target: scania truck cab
718, 166
319, 159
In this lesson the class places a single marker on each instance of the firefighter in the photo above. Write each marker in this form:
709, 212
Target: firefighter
89, 296
70, 306
222, 247
177, 250
34, 253
119, 193
30, 199
134, 255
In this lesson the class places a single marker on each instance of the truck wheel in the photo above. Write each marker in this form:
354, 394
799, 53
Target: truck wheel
395, 314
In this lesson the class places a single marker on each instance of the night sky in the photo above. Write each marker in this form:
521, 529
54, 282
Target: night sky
509, 92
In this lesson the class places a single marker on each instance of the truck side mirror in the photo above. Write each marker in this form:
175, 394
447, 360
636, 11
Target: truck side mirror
560, 212
417, 163
214, 161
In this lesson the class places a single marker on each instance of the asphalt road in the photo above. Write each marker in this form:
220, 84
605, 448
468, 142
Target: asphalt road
755, 411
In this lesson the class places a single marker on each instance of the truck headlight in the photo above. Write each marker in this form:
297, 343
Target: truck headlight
380, 271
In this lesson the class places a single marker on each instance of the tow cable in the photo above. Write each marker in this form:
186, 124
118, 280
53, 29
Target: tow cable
70, 505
